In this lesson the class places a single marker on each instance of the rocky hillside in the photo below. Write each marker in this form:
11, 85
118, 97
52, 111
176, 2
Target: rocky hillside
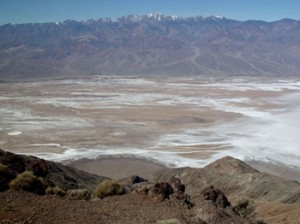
277, 199
226, 191
236, 179
54, 173
153, 44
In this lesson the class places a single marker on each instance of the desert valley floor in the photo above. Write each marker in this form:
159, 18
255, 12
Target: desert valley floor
175, 122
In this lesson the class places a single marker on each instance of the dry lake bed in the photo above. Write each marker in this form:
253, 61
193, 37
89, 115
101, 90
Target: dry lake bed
171, 121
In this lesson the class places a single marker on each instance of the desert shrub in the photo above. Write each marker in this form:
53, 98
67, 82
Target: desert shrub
3, 168
169, 221
78, 194
27, 181
6, 175
108, 188
55, 191
244, 207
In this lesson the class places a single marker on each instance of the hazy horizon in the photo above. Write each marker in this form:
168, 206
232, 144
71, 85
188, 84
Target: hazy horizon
33, 11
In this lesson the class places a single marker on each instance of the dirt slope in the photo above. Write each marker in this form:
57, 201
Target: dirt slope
180, 195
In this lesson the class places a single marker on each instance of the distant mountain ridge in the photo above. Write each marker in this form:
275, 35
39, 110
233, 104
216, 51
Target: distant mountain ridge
149, 45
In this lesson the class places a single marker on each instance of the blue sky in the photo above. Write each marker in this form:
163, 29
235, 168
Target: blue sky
26, 11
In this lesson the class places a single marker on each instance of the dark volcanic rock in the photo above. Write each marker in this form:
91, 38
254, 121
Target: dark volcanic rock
172, 191
216, 196
38, 167
163, 190
136, 179
177, 186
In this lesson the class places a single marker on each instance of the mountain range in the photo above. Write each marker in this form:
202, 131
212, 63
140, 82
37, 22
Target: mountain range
150, 45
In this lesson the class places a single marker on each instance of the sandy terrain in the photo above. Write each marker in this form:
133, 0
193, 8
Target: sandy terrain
117, 168
176, 122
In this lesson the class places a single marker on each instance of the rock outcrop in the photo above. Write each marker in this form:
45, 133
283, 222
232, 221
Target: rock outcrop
186, 195
236, 179
53, 173
216, 196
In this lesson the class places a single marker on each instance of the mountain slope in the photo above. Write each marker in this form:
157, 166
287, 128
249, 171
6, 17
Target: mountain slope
161, 201
55, 173
149, 45
277, 200
236, 179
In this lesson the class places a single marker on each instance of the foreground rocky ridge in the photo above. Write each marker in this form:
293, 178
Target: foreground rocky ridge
54, 173
183, 195
236, 179
277, 200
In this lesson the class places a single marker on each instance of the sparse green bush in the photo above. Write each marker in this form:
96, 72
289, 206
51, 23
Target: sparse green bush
108, 188
169, 221
244, 207
55, 191
3, 168
27, 181
78, 194
6, 175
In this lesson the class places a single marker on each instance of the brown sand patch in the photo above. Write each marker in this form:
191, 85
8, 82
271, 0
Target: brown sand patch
117, 167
